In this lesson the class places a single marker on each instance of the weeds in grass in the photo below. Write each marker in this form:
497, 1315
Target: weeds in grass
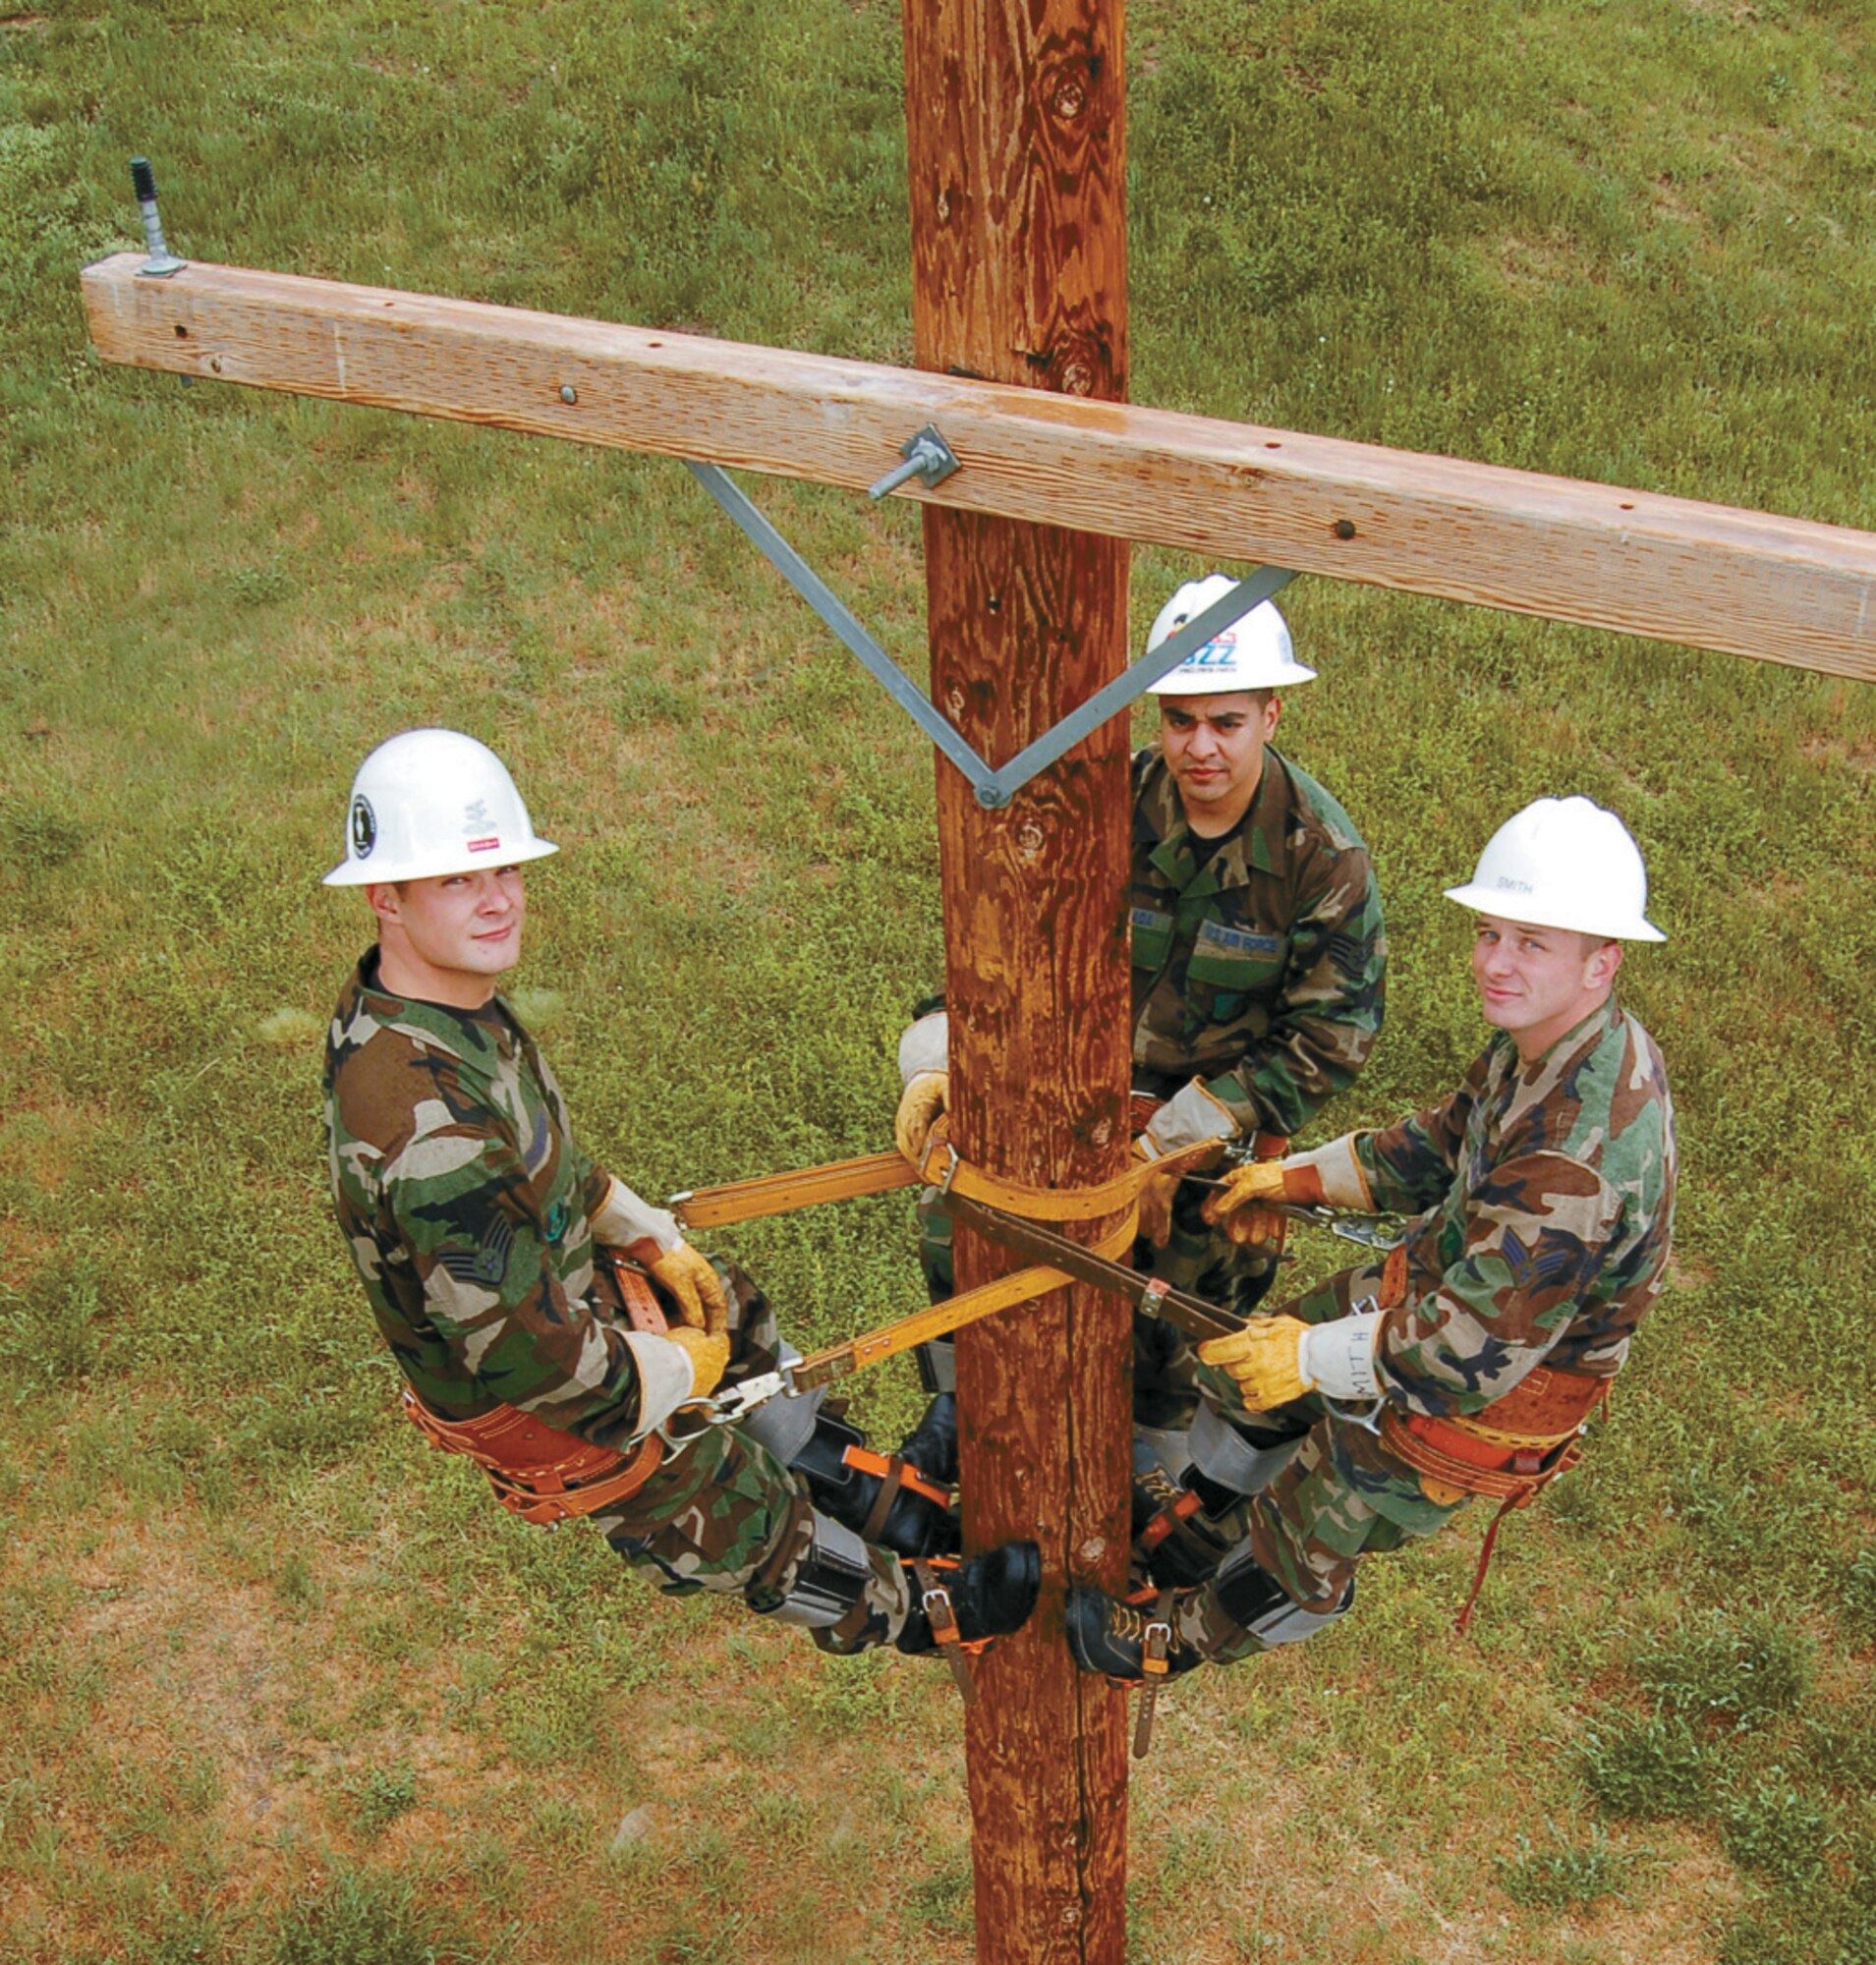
1859, 1586
1650, 1766
1562, 1875
48, 1333
1745, 1672
1768, 1824
361, 1917
380, 1795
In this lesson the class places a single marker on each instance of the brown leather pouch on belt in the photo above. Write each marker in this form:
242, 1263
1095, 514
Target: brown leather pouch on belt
1518, 1444
539, 1472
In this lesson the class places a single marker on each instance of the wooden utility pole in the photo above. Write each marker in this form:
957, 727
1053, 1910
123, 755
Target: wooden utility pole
1017, 174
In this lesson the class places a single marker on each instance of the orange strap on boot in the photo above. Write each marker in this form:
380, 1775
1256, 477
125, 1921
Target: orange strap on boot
935, 1601
895, 1477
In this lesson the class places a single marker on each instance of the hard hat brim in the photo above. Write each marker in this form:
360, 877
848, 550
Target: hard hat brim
1531, 910
350, 872
1180, 684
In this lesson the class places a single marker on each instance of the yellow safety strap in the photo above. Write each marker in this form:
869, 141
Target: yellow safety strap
943, 1168
882, 1174
783, 1192
953, 1314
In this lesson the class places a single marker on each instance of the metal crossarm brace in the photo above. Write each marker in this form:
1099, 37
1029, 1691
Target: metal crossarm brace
993, 787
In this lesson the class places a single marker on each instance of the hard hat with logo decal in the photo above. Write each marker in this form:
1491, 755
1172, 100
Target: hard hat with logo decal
1253, 652
1563, 863
430, 801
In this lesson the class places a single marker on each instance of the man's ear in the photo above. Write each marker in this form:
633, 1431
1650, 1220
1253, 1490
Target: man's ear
1603, 960
1271, 712
383, 898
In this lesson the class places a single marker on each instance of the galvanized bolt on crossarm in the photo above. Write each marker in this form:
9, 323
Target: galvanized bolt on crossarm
161, 261
927, 456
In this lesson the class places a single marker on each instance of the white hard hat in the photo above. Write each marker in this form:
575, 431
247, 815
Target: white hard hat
1563, 863
1253, 652
429, 801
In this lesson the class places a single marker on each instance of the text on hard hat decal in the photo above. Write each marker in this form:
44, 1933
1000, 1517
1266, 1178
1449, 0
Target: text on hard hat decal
1222, 650
485, 845
1505, 881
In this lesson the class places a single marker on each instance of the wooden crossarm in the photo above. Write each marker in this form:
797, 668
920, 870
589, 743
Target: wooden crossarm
1749, 584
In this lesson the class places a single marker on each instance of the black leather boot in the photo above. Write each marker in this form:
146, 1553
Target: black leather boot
886, 1500
1109, 1637
932, 1445
987, 1596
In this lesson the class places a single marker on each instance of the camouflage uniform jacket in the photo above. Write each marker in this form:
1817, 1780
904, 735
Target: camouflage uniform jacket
1546, 1201
468, 1213
1262, 968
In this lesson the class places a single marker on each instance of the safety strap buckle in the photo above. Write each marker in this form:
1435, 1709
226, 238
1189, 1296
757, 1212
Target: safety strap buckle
1155, 1646
951, 1166
941, 1614
725, 1408
1156, 1292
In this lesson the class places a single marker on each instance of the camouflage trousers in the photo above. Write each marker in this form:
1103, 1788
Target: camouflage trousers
722, 1514
1344, 1495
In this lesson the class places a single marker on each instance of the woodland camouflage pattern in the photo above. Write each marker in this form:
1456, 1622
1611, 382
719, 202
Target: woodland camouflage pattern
1544, 1197
467, 1208
1261, 971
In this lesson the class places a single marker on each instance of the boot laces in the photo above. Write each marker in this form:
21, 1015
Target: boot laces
1159, 1486
1128, 1623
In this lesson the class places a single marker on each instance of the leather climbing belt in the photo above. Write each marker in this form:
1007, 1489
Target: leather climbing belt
542, 1472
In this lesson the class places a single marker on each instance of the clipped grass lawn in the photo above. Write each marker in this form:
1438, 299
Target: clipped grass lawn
277, 1684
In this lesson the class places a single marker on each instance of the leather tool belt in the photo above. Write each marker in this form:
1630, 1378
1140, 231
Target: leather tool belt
1514, 1447
541, 1472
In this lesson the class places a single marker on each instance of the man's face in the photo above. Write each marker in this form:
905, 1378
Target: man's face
1213, 747
1538, 982
451, 935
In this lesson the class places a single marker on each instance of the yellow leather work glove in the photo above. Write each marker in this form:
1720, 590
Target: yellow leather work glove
1155, 1200
1237, 1205
697, 1286
925, 1096
708, 1354
1265, 1359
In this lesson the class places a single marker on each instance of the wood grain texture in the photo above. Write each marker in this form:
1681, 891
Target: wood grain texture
1749, 584
1016, 173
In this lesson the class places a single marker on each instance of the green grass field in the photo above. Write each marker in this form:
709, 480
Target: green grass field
278, 1685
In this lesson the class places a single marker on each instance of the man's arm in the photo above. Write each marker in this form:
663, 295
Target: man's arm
1472, 1326
1469, 1329
622, 1220
1328, 1014
1409, 1166
462, 1203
